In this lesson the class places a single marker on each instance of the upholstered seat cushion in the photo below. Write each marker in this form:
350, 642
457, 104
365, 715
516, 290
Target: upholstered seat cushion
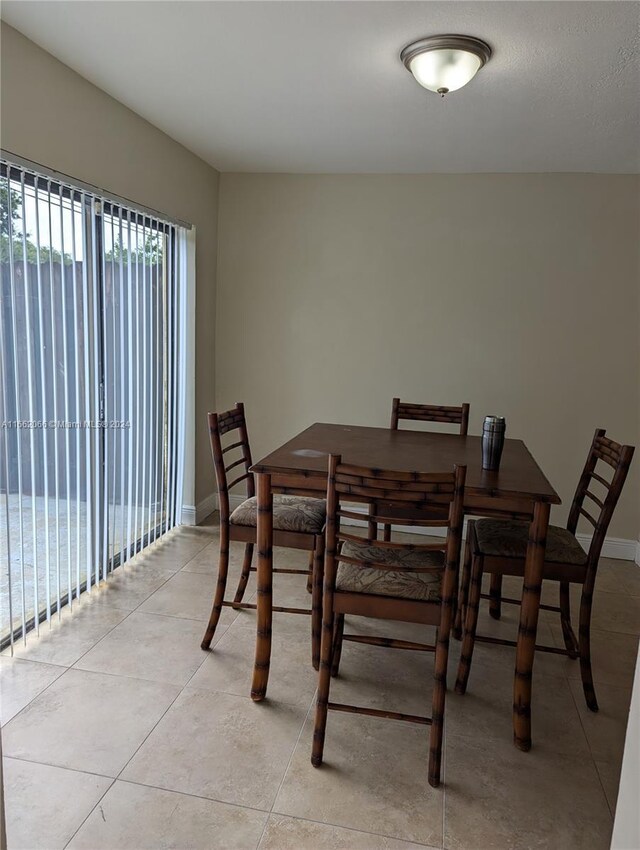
290, 513
354, 578
508, 539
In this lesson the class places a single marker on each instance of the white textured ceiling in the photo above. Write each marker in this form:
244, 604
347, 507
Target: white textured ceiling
318, 86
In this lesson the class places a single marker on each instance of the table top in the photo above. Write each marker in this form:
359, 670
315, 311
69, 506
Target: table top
411, 451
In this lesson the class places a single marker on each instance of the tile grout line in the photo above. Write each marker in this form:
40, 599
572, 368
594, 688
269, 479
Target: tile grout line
146, 737
132, 611
266, 812
168, 791
183, 687
190, 794
177, 695
72, 666
99, 640
358, 831
35, 696
205, 655
56, 766
245, 696
170, 616
65, 667
219, 801
88, 597
117, 777
111, 784
130, 678
84, 820
252, 627
593, 759
284, 775
331, 823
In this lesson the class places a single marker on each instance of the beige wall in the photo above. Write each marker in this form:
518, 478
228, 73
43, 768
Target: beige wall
51, 115
516, 293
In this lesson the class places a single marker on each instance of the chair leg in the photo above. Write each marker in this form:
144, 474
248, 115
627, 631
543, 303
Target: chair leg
324, 684
463, 593
310, 574
454, 604
585, 650
221, 586
244, 576
570, 641
437, 714
387, 533
372, 531
495, 596
470, 625
338, 632
316, 600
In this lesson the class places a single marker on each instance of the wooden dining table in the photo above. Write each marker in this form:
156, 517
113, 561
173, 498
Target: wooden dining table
519, 489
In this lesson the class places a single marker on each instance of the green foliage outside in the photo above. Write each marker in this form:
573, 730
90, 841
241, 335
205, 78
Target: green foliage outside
151, 253
10, 217
5, 213
32, 252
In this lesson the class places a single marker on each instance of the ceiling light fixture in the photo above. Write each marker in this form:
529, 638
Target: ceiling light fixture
445, 63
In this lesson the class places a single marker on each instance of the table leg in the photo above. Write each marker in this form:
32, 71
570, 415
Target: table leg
529, 611
264, 537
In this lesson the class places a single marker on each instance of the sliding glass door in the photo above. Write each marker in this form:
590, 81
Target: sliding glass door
90, 366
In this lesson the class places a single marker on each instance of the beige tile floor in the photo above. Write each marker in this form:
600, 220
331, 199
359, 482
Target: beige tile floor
120, 733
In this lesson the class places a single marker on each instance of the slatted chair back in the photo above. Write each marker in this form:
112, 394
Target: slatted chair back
430, 413
603, 453
231, 422
442, 493
438, 495
617, 457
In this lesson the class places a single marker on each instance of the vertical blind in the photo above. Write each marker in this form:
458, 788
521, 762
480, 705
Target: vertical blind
92, 371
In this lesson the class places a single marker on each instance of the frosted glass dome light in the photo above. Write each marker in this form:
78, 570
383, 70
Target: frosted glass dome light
445, 63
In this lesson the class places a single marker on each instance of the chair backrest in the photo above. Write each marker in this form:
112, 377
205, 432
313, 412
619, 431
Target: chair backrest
430, 413
439, 495
220, 424
618, 457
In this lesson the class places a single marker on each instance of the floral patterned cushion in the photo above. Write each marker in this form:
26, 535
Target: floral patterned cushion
290, 513
406, 585
508, 539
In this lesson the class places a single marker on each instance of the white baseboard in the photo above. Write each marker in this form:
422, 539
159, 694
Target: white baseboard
195, 514
207, 506
188, 515
614, 547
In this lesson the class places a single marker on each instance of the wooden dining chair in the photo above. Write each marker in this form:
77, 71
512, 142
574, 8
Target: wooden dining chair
392, 581
402, 410
421, 413
298, 521
499, 547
